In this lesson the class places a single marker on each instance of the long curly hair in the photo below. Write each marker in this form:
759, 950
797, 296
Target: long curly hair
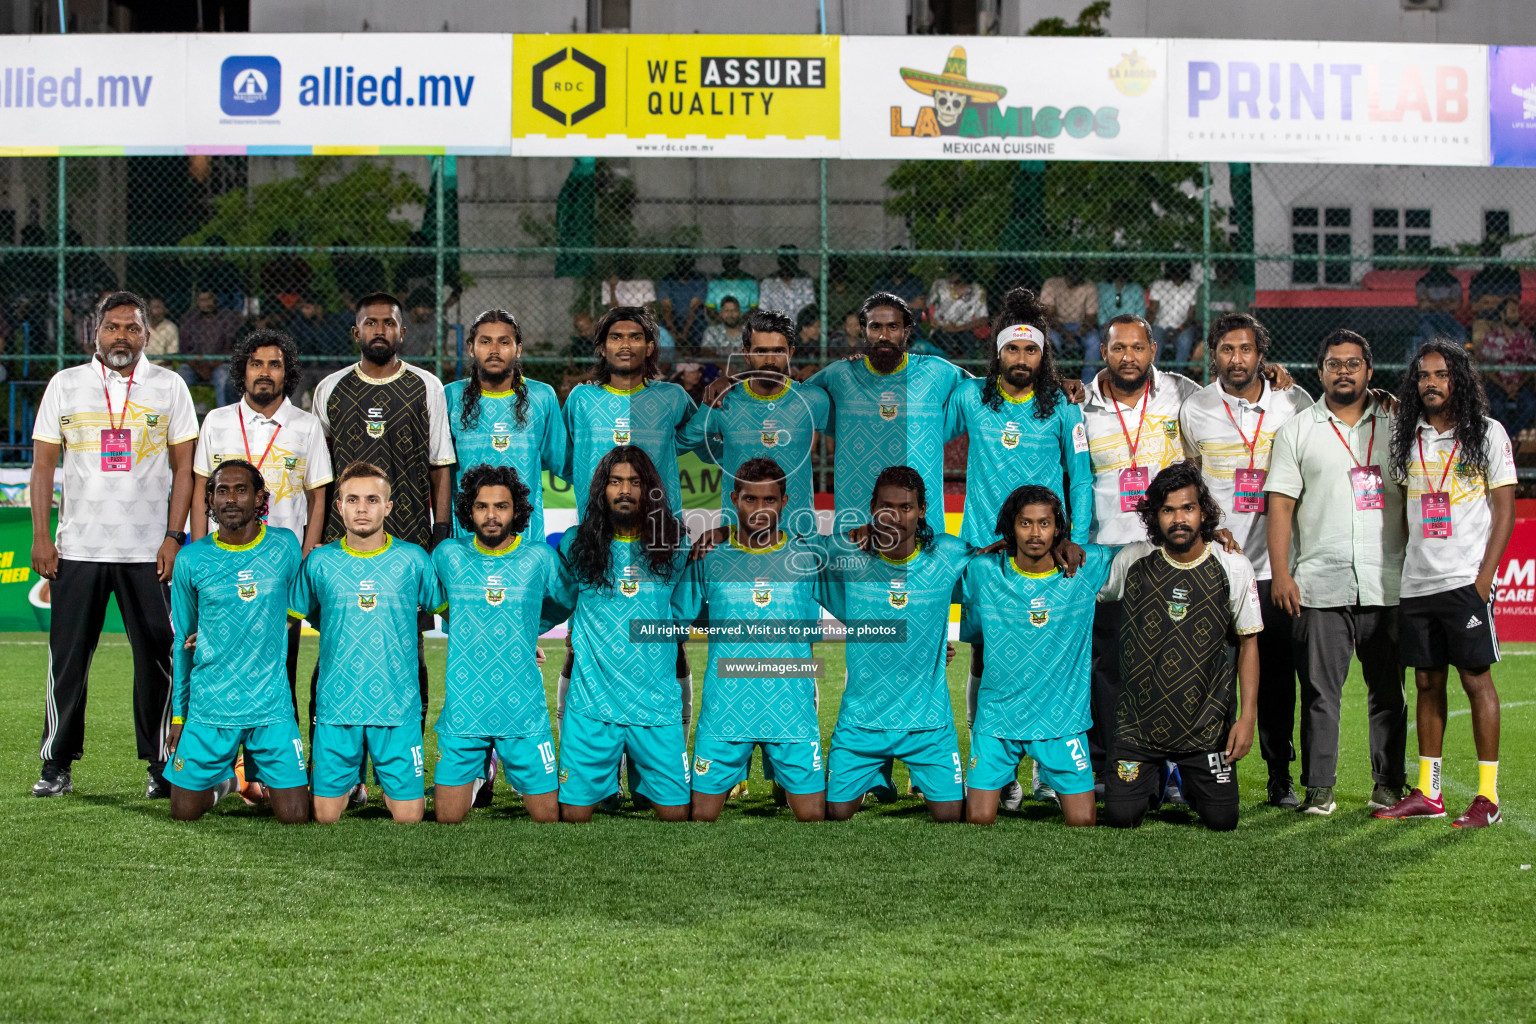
618, 314
661, 532
1029, 494
469, 412
260, 482
1469, 408
485, 475
912, 480
293, 372
1021, 306
1175, 478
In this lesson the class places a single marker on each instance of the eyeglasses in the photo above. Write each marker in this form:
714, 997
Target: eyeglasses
1343, 365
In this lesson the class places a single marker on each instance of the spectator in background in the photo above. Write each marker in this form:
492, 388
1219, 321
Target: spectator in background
1229, 293
848, 338
842, 297
164, 339
1438, 294
286, 275
731, 281
808, 335
680, 302
1073, 301
957, 307
318, 334
421, 334
900, 283
1171, 301
790, 290
86, 275
625, 288
222, 278
208, 335
691, 377
356, 276
1117, 296
1493, 285
723, 340
1511, 394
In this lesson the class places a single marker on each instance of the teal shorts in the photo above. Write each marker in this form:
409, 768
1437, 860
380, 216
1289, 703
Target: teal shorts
395, 750
1063, 762
205, 756
589, 761
718, 764
856, 761
528, 761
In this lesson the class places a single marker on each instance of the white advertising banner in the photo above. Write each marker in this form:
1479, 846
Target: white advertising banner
995, 98
243, 93
1327, 102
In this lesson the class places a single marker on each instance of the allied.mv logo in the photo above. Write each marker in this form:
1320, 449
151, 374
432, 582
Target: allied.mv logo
250, 86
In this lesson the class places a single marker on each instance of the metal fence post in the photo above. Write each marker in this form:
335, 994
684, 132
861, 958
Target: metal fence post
439, 312
1208, 268
58, 312
821, 307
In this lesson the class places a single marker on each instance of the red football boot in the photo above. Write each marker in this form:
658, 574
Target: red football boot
1414, 805
1481, 814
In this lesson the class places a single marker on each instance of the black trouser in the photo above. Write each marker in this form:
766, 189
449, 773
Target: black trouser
1105, 686
1208, 781
1277, 686
79, 605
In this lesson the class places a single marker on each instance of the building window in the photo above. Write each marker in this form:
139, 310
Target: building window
607, 15
1333, 242
1397, 232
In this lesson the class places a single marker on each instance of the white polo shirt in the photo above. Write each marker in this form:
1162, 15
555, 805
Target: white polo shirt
1435, 565
289, 449
1152, 425
115, 516
1220, 438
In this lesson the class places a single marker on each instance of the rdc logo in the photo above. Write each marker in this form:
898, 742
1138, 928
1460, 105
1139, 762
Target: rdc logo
251, 86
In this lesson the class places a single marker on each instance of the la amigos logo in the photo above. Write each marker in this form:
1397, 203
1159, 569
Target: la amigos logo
972, 109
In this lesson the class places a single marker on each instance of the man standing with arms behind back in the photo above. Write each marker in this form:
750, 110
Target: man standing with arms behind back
126, 428
1326, 485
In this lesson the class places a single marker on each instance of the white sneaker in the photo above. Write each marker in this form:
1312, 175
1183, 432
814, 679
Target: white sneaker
1012, 796
1042, 792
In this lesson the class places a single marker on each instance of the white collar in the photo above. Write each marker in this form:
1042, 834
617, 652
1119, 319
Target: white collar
1230, 399
1106, 400
102, 369
279, 416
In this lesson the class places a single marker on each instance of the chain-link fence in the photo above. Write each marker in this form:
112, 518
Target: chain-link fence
224, 244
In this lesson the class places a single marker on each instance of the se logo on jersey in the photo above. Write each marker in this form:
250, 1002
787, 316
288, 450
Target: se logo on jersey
762, 593
1179, 606
621, 430
898, 594
245, 585
888, 407
367, 598
375, 423
770, 434
1010, 435
495, 590
1039, 615
629, 585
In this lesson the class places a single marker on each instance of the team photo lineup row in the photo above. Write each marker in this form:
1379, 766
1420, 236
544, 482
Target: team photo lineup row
1109, 576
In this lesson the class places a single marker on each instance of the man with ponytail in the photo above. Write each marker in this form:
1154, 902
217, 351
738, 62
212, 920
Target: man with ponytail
1023, 430
498, 417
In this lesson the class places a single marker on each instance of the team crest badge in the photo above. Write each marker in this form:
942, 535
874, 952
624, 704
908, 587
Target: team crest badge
1171, 428
290, 461
1179, 606
701, 766
770, 434
367, 602
1010, 435
247, 591
565, 776
1039, 617
897, 595
1128, 770
375, 429
888, 407
495, 595
501, 442
621, 430
629, 584
179, 763
972, 766
762, 593
152, 419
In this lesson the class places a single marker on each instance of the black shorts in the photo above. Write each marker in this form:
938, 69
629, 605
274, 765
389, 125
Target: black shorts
1454, 627
1208, 780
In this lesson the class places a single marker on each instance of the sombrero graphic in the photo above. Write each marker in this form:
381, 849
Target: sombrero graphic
953, 79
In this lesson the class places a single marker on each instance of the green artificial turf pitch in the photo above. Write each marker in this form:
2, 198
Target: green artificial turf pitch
110, 911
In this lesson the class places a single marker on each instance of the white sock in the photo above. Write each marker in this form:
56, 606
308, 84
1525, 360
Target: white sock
972, 685
685, 685
561, 689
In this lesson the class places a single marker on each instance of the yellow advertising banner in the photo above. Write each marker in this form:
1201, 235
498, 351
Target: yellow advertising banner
689, 95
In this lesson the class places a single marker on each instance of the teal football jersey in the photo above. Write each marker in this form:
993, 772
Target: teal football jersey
493, 685
1011, 447
365, 604
235, 598
779, 426
614, 678
775, 589
894, 419
898, 686
494, 438
653, 417
1038, 631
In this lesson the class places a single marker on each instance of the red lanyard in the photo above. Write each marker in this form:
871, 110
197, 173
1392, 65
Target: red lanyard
1139, 424
247, 442
1448, 463
1369, 448
128, 391
1249, 444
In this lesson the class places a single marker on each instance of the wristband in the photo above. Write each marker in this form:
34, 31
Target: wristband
178, 721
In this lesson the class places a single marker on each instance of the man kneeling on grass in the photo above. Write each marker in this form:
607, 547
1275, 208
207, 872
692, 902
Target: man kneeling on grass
229, 607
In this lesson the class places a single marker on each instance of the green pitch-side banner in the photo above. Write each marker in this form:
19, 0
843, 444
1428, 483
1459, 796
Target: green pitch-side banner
24, 598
